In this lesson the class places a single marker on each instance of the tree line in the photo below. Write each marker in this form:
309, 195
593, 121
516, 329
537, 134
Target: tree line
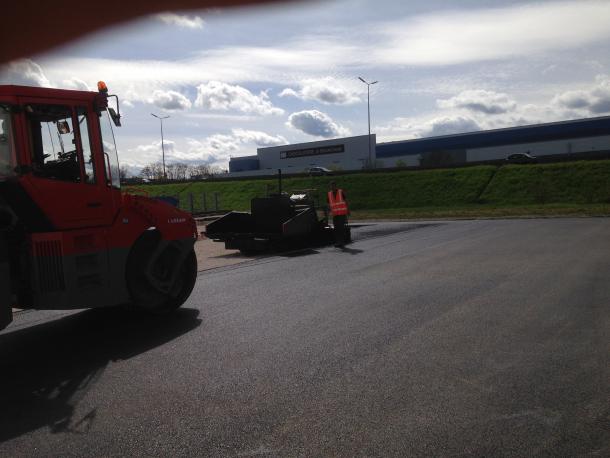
174, 171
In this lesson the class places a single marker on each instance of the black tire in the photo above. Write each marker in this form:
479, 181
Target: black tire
145, 296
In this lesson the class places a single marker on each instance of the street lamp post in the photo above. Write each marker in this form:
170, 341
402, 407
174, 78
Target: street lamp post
161, 118
368, 105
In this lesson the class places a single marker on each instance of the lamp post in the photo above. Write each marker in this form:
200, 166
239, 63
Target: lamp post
368, 105
161, 118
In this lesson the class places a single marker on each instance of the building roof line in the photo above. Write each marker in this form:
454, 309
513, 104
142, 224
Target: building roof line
555, 131
501, 129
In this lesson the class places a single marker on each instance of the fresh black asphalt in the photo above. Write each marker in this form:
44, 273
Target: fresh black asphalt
467, 338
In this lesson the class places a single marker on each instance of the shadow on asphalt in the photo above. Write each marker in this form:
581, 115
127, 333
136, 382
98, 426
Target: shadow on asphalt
351, 250
383, 230
362, 231
298, 253
46, 369
237, 255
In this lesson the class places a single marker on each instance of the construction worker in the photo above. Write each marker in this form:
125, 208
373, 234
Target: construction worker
337, 203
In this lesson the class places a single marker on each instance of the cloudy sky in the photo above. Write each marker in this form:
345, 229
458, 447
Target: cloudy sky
235, 80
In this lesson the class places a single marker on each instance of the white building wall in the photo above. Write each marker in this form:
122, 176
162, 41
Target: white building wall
575, 145
353, 157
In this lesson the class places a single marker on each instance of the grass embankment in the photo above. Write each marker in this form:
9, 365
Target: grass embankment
571, 188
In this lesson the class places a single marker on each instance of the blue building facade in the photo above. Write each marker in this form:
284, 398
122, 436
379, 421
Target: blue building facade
574, 137
244, 164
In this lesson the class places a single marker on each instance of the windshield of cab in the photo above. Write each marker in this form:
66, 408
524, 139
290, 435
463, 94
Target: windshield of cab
7, 159
111, 159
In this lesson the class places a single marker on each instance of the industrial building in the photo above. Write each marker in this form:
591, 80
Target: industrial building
579, 137
349, 153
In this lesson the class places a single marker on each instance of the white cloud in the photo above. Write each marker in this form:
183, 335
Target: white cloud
326, 90
258, 138
142, 155
289, 92
218, 148
180, 20
316, 123
487, 102
594, 100
216, 95
149, 153
448, 125
231, 118
24, 72
454, 37
439, 39
76, 83
236, 64
170, 100
573, 99
410, 128
215, 149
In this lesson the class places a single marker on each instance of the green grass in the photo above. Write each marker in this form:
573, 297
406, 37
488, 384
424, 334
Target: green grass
583, 182
571, 188
364, 190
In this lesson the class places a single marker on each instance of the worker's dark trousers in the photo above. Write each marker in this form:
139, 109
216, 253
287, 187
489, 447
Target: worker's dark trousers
339, 222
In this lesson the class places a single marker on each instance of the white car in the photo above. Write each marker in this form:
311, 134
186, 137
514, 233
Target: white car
319, 171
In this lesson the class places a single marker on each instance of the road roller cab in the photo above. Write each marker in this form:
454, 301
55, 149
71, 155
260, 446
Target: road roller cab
69, 237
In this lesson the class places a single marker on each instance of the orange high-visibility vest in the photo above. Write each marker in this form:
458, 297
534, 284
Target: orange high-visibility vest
338, 205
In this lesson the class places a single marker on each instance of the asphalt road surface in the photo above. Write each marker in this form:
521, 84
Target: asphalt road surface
480, 338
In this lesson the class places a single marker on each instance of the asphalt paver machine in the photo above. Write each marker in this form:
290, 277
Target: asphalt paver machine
278, 222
